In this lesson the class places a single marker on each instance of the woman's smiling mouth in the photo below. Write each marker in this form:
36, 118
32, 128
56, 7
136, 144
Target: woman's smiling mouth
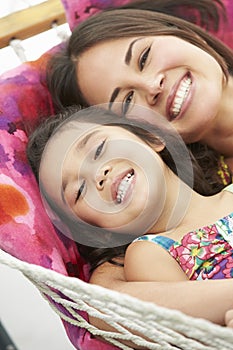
176, 101
122, 186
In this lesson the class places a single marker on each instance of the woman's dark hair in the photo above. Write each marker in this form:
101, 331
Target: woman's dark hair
144, 17
206, 13
37, 142
133, 20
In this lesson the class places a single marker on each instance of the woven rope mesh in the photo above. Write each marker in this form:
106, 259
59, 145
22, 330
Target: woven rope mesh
141, 323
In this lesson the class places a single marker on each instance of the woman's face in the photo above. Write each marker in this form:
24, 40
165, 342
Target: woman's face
164, 73
109, 178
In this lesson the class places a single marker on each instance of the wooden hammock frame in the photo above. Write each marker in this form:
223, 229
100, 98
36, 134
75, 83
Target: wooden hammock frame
31, 21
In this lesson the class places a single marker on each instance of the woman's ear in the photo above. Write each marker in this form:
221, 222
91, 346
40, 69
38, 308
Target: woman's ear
159, 145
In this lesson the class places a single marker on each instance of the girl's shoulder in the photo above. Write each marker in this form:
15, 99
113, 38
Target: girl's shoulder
163, 241
150, 262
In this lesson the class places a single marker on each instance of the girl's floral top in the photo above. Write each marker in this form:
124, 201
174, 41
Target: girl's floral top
206, 253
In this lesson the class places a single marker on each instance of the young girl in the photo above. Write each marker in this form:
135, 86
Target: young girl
157, 61
107, 264
110, 181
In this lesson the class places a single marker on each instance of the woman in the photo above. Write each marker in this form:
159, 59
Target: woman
157, 61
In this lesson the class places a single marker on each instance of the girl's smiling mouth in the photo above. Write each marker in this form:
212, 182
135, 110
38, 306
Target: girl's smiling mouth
176, 101
122, 186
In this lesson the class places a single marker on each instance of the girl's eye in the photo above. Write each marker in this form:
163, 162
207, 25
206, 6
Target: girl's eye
143, 58
127, 102
99, 150
81, 188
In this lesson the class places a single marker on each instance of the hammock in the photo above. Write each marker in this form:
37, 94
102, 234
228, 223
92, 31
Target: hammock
29, 242
164, 329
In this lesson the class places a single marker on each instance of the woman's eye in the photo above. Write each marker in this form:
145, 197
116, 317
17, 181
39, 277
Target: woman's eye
99, 150
81, 188
127, 102
143, 58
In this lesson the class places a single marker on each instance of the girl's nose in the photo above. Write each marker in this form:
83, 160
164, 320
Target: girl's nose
102, 176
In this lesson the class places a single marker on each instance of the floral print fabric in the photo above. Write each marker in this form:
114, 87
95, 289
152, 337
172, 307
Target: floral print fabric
206, 253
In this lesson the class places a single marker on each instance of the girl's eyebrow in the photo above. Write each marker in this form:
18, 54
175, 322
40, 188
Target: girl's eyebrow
128, 57
81, 144
79, 147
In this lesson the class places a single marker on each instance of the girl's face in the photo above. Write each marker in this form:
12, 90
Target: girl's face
164, 73
112, 179
109, 178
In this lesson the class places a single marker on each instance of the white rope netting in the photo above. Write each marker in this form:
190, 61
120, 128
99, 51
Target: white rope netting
132, 318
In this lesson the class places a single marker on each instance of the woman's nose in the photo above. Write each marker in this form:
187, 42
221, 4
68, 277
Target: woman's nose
152, 88
102, 176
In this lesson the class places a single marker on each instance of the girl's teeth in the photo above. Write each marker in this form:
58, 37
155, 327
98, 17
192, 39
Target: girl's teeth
124, 186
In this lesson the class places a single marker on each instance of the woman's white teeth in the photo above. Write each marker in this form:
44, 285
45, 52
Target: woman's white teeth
124, 186
181, 95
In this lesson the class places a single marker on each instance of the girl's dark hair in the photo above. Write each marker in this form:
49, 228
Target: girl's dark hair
141, 18
38, 140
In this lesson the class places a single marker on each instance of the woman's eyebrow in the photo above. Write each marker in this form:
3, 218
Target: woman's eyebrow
128, 57
113, 97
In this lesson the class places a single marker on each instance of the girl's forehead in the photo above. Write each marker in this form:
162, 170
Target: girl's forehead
55, 152
63, 139
75, 126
